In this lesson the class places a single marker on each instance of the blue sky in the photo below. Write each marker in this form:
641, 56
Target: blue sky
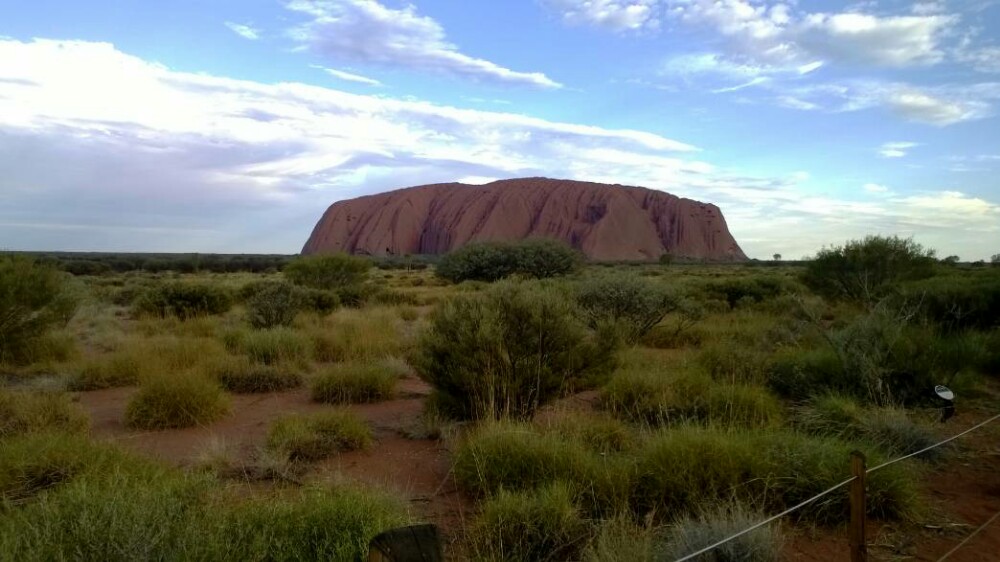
229, 126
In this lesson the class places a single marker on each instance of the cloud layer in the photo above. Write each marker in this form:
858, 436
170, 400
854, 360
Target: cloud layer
102, 150
365, 31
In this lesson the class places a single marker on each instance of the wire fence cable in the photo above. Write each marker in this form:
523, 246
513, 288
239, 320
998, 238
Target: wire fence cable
969, 538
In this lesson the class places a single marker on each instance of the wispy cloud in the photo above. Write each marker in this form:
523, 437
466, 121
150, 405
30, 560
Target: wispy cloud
349, 76
617, 15
897, 149
244, 31
365, 31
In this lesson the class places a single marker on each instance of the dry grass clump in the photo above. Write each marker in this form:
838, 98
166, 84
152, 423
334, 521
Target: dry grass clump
242, 376
355, 382
270, 347
317, 436
174, 401
121, 368
598, 432
24, 412
543, 524
134, 358
691, 534
356, 334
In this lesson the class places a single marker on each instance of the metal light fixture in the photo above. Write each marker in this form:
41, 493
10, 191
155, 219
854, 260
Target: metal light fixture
946, 400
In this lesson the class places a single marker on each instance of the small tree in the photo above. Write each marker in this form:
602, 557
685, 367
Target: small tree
995, 260
274, 304
327, 272
950, 260
34, 297
777, 257
508, 352
867, 270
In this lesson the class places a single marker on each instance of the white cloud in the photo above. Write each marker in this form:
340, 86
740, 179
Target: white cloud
350, 76
932, 109
875, 188
896, 149
984, 59
895, 41
617, 15
365, 31
244, 31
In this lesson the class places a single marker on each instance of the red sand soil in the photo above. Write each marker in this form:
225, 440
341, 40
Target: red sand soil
963, 492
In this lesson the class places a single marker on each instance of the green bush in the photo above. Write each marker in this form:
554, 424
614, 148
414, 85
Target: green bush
24, 412
740, 290
492, 261
528, 526
328, 272
959, 301
317, 436
184, 300
691, 534
273, 304
181, 400
869, 269
34, 298
597, 432
633, 304
729, 361
508, 352
357, 382
239, 375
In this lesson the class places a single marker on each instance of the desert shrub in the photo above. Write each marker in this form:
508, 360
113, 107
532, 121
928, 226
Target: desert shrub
492, 261
328, 272
240, 375
316, 524
798, 374
741, 290
890, 429
270, 347
408, 313
32, 412
317, 300
34, 298
389, 297
183, 300
52, 346
356, 335
121, 368
177, 400
528, 526
867, 270
508, 352
682, 468
317, 436
693, 533
273, 304
355, 382
655, 397
960, 301
618, 539
635, 305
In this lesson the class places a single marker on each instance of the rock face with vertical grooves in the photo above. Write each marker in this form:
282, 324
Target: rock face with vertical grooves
605, 222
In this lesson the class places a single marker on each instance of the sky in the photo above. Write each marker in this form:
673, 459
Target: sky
230, 126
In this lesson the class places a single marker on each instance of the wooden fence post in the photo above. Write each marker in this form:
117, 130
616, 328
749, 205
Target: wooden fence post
859, 545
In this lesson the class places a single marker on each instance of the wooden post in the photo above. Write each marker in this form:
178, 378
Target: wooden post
859, 545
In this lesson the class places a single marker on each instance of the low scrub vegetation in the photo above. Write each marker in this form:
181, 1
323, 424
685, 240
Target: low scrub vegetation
869, 269
277, 346
492, 261
34, 298
23, 412
173, 401
509, 351
317, 436
242, 376
633, 305
273, 304
183, 300
328, 272
693, 533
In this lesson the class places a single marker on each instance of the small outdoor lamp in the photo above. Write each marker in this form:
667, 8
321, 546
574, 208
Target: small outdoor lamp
946, 401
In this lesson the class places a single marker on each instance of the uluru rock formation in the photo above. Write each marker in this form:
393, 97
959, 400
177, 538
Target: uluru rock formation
605, 222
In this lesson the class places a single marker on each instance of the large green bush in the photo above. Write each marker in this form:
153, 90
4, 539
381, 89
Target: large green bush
509, 351
491, 261
328, 272
633, 304
184, 300
959, 301
869, 269
34, 297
